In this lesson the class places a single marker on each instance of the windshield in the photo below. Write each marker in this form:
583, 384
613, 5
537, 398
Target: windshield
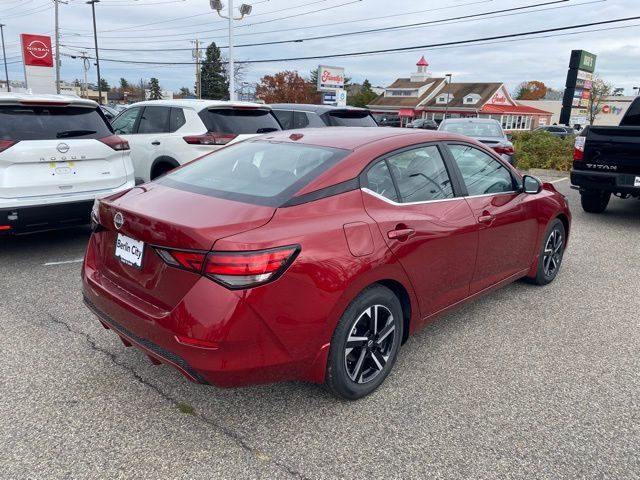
258, 172
473, 129
350, 118
239, 120
31, 122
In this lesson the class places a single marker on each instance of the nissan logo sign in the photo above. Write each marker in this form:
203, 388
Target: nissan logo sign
38, 49
118, 220
63, 148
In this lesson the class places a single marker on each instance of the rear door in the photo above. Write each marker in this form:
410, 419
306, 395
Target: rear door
506, 218
54, 149
426, 223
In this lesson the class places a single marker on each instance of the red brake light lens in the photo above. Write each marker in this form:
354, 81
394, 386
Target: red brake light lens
116, 142
4, 144
234, 270
578, 148
210, 139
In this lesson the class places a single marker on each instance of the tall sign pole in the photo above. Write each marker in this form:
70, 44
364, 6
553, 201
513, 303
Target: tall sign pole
95, 39
4, 56
577, 93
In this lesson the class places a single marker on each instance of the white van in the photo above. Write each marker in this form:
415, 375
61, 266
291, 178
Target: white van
57, 154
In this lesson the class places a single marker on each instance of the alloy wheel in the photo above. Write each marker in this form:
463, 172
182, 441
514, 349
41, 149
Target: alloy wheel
369, 344
553, 253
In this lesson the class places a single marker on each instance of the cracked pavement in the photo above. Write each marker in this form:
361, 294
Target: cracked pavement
527, 382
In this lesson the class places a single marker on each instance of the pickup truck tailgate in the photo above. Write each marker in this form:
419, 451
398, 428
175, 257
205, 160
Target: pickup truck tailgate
612, 149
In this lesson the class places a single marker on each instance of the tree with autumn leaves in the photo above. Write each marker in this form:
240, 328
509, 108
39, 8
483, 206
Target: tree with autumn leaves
532, 90
286, 87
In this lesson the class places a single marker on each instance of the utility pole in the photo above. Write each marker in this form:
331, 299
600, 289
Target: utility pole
197, 55
57, 29
142, 92
95, 38
85, 67
446, 107
4, 56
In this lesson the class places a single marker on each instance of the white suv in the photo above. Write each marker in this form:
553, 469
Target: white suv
57, 155
165, 134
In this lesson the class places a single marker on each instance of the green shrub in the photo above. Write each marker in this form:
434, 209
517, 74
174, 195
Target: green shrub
542, 150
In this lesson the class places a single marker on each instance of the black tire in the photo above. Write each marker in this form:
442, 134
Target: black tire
551, 253
354, 372
594, 201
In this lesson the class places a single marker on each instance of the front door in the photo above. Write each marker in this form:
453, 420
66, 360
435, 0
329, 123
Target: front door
508, 226
428, 227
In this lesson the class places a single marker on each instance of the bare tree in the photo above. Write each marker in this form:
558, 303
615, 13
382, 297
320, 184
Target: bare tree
600, 90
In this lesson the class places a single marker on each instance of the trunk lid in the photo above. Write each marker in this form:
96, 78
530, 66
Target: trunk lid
161, 216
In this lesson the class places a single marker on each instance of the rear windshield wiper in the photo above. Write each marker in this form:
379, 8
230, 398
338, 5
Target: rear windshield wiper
266, 130
74, 133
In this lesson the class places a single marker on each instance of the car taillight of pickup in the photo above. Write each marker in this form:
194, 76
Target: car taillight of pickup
606, 161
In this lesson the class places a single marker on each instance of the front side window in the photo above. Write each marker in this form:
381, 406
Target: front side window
126, 121
482, 174
154, 120
421, 175
262, 173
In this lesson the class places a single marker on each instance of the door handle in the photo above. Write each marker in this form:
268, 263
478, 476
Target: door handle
401, 234
486, 218
155, 142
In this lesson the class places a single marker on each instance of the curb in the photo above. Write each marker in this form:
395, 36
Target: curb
544, 172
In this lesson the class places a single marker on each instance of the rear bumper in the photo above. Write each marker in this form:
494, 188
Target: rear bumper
605, 182
45, 217
243, 347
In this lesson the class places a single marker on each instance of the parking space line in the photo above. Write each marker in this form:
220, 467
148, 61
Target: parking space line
560, 180
77, 260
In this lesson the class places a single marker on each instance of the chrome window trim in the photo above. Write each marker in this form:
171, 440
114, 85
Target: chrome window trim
397, 204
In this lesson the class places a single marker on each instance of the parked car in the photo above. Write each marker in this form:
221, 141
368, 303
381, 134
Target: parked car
557, 130
109, 113
606, 160
165, 134
423, 123
485, 130
314, 256
57, 154
295, 115
389, 122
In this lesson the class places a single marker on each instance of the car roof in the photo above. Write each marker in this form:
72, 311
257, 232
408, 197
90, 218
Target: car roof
308, 107
471, 120
352, 138
198, 105
16, 98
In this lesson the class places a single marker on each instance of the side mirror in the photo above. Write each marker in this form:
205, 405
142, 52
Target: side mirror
531, 184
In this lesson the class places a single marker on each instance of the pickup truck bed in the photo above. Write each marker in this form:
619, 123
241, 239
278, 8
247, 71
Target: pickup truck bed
607, 161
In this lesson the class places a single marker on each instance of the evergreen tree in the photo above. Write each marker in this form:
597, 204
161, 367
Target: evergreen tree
155, 92
104, 85
214, 84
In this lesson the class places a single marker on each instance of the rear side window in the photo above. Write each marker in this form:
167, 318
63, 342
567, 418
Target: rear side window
239, 121
379, 180
421, 175
632, 117
262, 173
154, 120
285, 117
22, 122
349, 118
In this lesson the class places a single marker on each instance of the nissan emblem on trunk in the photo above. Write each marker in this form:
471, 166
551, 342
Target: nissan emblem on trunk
63, 148
118, 220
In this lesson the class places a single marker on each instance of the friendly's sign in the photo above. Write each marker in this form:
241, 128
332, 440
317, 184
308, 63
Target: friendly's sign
36, 50
330, 78
37, 56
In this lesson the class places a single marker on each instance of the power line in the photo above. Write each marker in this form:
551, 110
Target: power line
398, 49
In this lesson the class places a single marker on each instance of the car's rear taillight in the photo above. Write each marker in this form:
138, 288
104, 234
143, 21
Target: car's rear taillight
116, 142
234, 270
578, 148
503, 149
4, 144
210, 139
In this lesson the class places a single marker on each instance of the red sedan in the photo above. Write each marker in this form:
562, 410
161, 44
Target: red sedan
314, 255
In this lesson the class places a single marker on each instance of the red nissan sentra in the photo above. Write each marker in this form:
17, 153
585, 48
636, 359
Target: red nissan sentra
313, 255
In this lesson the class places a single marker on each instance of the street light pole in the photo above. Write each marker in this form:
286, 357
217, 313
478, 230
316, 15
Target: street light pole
57, 29
4, 56
244, 10
446, 107
95, 38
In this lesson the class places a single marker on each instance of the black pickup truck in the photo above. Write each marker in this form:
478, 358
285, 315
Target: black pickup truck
606, 160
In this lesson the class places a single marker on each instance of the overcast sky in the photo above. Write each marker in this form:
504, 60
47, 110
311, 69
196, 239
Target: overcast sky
130, 27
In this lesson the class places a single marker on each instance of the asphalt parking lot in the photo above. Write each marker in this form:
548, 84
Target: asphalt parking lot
527, 382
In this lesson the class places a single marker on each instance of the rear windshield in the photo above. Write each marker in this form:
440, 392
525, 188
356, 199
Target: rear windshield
473, 129
21, 122
239, 121
259, 172
350, 118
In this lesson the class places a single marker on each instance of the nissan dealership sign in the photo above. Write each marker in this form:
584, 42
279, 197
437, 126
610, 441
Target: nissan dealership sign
37, 56
36, 50
330, 78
